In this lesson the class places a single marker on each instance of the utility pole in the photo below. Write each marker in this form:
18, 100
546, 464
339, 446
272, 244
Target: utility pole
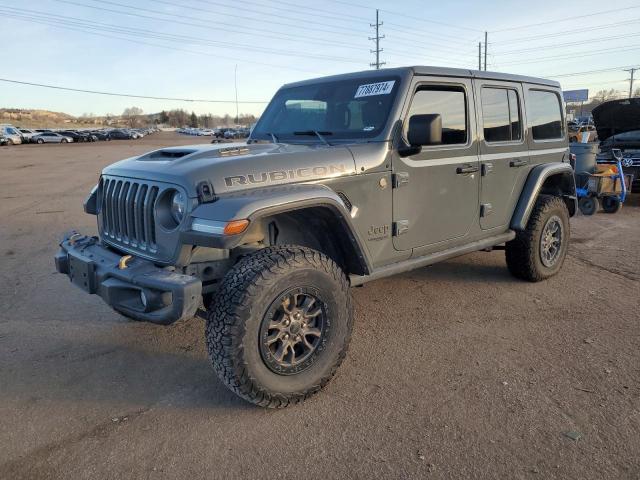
485, 51
479, 55
631, 71
377, 39
235, 80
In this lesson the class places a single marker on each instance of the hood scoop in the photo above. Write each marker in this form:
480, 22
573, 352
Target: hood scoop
168, 154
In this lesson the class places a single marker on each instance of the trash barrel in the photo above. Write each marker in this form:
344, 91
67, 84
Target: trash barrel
585, 157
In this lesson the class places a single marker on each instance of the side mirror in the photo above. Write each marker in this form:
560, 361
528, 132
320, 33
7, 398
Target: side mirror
425, 130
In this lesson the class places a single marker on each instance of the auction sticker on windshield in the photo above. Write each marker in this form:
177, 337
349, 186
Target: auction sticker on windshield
381, 88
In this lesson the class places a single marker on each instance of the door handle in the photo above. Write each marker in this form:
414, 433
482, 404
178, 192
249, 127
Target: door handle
518, 162
467, 169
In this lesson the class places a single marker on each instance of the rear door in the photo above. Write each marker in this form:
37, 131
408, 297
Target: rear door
435, 195
504, 156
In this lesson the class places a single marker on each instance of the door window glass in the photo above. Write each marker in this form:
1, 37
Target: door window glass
448, 102
500, 114
544, 110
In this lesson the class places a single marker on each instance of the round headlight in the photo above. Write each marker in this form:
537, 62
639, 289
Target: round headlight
178, 206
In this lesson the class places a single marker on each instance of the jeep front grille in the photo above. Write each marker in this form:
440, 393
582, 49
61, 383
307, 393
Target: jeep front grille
127, 210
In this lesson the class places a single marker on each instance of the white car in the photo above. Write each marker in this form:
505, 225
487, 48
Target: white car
27, 134
50, 137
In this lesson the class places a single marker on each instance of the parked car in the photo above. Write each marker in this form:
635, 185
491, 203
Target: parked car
618, 125
77, 136
418, 173
102, 135
11, 133
51, 137
120, 135
27, 134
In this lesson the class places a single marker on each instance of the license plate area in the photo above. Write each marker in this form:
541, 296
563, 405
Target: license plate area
82, 273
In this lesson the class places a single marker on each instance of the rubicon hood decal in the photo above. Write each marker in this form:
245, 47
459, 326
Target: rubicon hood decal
235, 167
277, 176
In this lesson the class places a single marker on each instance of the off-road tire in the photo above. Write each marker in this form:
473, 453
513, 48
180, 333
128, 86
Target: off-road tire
523, 253
248, 292
611, 205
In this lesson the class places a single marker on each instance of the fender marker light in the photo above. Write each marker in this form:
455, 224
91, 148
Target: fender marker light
235, 227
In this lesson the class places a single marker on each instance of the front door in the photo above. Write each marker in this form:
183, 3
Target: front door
435, 195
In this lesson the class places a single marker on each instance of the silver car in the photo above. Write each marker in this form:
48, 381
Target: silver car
51, 137
11, 133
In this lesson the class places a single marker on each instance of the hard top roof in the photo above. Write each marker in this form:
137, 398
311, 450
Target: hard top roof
433, 71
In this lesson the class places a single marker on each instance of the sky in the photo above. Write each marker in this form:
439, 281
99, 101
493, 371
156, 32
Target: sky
191, 49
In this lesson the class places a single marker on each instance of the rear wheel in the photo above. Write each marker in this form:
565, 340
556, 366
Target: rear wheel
611, 204
588, 205
280, 325
538, 252
40, 141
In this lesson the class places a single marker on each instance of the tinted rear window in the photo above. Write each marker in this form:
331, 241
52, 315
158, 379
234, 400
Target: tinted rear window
544, 112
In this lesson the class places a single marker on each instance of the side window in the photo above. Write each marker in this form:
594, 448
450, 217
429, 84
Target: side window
450, 103
544, 110
500, 114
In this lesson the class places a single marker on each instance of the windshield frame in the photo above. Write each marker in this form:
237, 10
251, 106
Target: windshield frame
381, 134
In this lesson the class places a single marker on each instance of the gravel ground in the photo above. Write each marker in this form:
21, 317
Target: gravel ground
454, 371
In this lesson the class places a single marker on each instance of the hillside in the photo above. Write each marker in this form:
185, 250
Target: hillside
46, 119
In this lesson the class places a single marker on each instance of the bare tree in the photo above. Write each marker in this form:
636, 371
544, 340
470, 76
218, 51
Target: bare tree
132, 115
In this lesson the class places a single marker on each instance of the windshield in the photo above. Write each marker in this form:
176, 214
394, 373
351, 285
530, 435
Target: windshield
343, 109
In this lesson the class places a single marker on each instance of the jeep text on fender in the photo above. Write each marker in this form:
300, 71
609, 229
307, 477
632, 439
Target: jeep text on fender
344, 180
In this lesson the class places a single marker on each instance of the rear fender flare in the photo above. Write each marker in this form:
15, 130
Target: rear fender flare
560, 175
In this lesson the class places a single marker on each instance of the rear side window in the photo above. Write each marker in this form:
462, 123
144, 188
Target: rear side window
450, 103
544, 112
500, 115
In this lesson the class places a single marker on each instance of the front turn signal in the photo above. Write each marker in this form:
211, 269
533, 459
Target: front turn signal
235, 227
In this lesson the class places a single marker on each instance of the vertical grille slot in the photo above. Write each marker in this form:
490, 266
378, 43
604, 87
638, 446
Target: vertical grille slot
127, 209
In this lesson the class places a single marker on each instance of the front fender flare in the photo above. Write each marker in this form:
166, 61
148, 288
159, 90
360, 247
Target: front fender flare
259, 203
535, 185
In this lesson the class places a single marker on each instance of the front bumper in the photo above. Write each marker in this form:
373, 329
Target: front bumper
140, 290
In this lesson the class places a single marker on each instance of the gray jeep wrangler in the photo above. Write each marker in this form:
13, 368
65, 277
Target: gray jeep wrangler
344, 180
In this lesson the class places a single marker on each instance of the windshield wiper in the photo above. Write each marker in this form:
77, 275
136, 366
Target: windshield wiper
318, 134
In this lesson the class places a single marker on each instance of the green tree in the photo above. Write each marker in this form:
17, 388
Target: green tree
194, 120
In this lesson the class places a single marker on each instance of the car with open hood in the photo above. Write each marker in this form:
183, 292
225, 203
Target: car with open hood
618, 126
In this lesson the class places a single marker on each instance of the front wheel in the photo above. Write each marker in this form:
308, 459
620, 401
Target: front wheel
64, 140
40, 141
280, 325
538, 252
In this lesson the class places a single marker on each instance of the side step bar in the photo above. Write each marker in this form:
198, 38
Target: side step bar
413, 263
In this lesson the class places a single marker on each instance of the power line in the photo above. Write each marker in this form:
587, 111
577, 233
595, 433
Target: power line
112, 94
208, 26
566, 44
167, 47
589, 72
565, 32
234, 45
575, 55
566, 19
377, 39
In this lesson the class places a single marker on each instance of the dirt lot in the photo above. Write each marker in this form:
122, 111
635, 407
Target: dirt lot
455, 371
